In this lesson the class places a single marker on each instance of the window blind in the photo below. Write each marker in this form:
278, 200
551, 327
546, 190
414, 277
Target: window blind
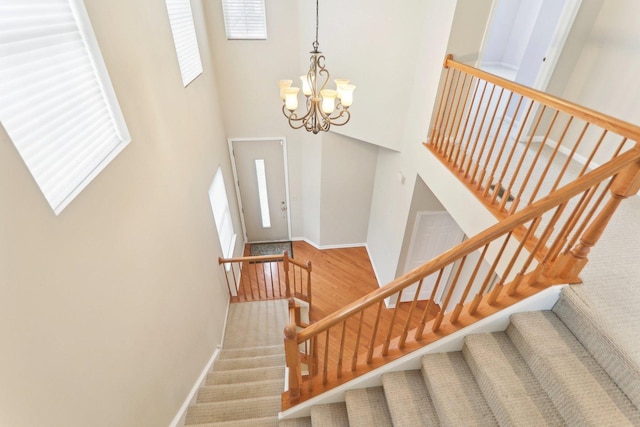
245, 19
184, 38
56, 100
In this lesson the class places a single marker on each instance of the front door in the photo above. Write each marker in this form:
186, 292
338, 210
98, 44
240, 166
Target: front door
262, 188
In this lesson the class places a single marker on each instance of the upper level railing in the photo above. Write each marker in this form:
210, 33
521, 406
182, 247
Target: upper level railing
512, 145
254, 278
536, 244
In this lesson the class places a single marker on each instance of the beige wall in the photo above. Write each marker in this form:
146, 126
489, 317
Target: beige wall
109, 311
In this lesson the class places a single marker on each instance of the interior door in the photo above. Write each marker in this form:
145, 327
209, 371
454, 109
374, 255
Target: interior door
433, 234
262, 188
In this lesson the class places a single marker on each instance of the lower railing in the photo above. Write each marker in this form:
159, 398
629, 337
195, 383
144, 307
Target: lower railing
477, 278
255, 278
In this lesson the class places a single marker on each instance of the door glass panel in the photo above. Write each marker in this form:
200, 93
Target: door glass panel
262, 193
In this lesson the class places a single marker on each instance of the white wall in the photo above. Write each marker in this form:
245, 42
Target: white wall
608, 62
109, 311
348, 170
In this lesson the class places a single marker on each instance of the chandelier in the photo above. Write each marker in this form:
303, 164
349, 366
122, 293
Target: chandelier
325, 107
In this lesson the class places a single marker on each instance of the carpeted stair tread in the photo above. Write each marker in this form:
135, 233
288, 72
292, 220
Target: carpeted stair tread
222, 392
330, 415
507, 383
267, 320
455, 394
367, 407
591, 329
233, 410
581, 390
268, 350
296, 422
245, 375
408, 399
253, 422
249, 362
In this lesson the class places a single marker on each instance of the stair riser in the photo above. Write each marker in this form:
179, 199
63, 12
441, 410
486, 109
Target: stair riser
244, 376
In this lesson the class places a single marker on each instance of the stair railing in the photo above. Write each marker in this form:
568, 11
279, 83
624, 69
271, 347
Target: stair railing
365, 334
255, 278
512, 145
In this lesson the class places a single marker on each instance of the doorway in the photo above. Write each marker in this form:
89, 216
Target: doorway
524, 39
260, 172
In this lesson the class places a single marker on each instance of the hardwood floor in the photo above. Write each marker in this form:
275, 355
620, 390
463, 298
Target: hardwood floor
339, 277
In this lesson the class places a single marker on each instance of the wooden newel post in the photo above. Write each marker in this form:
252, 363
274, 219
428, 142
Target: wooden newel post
285, 265
570, 264
292, 357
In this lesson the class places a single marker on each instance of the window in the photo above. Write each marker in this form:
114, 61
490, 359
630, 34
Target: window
184, 38
57, 103
263, 195
222, 215
245, 19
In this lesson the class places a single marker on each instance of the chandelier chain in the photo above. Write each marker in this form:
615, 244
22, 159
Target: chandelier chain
316, 44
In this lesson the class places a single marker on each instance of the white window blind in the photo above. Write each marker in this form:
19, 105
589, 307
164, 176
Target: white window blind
245, 19
222, 214
184, 38
56, 99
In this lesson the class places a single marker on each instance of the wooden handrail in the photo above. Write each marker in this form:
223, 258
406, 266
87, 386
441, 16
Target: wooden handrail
267, 281
616, 125
470, 245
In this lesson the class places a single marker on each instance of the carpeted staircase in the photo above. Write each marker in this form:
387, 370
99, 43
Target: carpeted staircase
245, 385
553, 368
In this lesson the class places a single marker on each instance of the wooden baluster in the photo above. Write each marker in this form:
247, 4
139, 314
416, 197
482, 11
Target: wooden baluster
444, 145
495, 138
465, 109
438, 320
407, 323
442, 128
533, 164
292, 357
458, 309
625, 184
425, 313
583, 225
273, 289
341, 351
516, 173
387, 341
435, 131
462, 167
505, 196
354, 359
473, 307
309, 283
325, 367
457, 121
551, 158
255, 269
468, 172
373, 333
469, 108
483, 148
226, 275
569, 158
285, 264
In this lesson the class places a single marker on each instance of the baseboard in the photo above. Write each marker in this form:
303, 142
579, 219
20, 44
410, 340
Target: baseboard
322, 247
373, 266
566, 151
178, 420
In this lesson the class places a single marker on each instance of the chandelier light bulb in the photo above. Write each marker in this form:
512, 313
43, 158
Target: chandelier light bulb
291, 97
340, 82
328, 100
347, 94
283, 84
306, 84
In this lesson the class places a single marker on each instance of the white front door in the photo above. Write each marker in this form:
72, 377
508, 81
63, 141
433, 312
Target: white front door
262, 188
433, 234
